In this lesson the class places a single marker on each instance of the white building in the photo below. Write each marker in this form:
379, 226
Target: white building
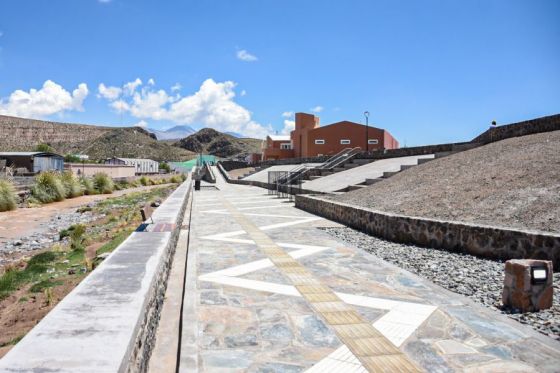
143, 166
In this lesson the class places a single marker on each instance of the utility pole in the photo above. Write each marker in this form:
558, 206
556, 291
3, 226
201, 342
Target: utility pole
366, 114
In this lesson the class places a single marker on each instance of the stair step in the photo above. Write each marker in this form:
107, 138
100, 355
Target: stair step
373, 181
338, 169
351, 165
314, 177
407, 166
362, 161
424, 160
326, 173
387, 174
355, 187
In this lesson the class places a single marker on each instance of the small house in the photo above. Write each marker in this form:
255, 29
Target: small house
33, 162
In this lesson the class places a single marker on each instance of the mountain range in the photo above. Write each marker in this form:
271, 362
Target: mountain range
173, 133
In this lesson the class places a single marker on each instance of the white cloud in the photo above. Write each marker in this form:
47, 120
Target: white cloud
243, 55
130, 87
317, 109
288, 114
110, 93
151, 81
142, 124
289, 126
176, 87
243, 93
52, 98
104, 1
212, 106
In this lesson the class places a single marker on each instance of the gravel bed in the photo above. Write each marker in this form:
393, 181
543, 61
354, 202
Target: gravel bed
13, 250
477, 278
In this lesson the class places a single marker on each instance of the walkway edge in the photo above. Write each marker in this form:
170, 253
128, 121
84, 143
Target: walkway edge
479, 240
164, 357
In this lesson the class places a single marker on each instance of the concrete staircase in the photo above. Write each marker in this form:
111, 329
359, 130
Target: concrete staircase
388, 174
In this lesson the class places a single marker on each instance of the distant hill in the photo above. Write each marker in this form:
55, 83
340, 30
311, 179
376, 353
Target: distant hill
223, 145
173, 133
21, 134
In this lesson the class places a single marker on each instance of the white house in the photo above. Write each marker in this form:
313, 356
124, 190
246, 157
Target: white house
143, 166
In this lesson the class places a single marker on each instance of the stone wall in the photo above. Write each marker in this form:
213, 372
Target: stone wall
108, 322
233, 165
528, 127
417, 150
484, 241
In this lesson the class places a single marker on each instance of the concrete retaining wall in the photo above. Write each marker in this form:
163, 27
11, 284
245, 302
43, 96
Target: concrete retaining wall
108, 322
485, 241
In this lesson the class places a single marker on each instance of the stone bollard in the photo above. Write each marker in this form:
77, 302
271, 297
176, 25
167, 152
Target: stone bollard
528, 284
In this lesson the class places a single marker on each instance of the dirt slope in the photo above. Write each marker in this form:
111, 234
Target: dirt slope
511, 183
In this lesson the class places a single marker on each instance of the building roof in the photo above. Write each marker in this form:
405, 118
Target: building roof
279, 137
135, 159
27, 154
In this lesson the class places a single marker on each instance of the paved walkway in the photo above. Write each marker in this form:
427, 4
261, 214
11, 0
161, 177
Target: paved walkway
268, 291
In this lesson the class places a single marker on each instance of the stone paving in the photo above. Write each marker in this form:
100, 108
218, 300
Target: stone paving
243, 311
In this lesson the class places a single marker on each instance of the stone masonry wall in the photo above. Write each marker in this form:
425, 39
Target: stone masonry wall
484, 241
528, 127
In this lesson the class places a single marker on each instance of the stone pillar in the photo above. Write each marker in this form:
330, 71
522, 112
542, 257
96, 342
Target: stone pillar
523, 289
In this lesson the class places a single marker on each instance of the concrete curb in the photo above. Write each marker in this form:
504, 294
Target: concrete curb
108, 322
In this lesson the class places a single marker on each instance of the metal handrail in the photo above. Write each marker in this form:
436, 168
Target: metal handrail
344, 157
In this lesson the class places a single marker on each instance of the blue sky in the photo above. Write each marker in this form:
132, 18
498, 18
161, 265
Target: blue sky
428, 71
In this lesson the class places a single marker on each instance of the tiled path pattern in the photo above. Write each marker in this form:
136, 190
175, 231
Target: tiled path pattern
375, 351
245, 311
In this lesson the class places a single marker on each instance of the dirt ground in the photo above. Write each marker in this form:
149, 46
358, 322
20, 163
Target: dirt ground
22, 310
511, 183
234, 174
26, 221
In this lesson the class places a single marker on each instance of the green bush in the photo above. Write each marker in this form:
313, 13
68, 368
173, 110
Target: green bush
165, 167
88, 186
103, 183
44, 148
175, 179
144, 180
8, 197
48, 188
72, 185
183, 177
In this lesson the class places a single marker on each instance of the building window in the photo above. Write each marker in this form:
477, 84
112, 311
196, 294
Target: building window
344, 142
319, 142
373, 142
285, 146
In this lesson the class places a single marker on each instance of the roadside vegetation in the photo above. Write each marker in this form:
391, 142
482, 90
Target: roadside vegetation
34, 285
8, 197
55, 186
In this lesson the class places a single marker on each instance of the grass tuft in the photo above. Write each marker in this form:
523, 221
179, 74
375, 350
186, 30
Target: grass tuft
103, 183
8, 197
48, 188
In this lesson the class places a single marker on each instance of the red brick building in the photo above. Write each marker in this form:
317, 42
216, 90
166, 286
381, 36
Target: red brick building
309, 139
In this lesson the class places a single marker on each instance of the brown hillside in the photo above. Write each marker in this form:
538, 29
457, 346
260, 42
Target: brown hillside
513, 183
21, 134
210, 141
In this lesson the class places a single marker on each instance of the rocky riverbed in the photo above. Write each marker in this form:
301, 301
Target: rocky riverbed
477, 278
14, 250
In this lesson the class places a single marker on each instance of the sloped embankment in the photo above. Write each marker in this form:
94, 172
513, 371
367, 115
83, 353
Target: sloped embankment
511, 183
